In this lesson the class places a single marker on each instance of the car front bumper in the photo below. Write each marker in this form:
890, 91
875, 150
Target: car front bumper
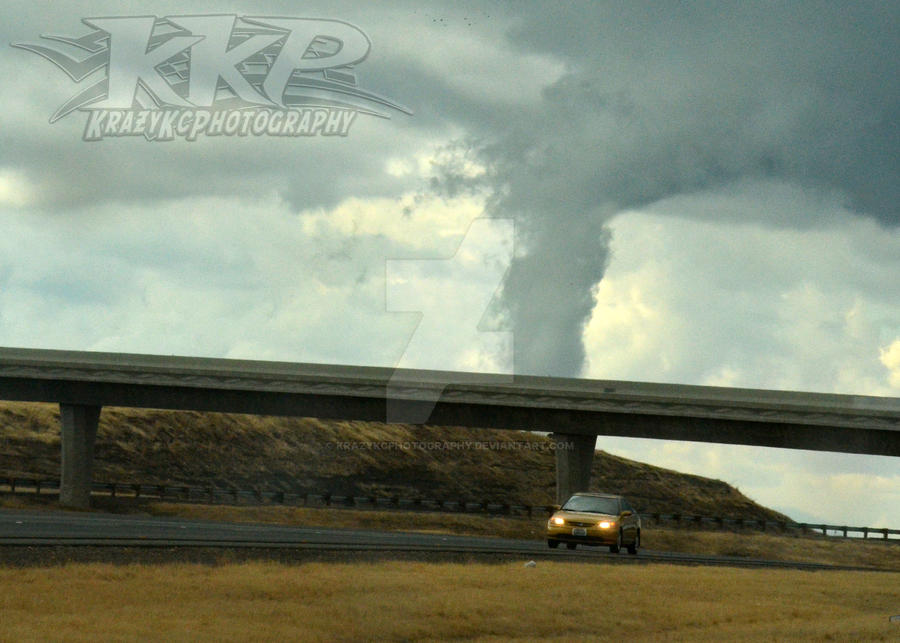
586, 535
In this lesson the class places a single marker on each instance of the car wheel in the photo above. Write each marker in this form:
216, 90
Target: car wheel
552, 544
633, 547
571, 545
614, 549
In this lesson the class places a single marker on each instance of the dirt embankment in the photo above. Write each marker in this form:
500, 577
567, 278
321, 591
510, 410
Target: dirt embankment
362, 458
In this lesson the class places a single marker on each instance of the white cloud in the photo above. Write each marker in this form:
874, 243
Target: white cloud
235, 278
424, 223
15, 190
702, 301
628, 328
449, 297
890, 357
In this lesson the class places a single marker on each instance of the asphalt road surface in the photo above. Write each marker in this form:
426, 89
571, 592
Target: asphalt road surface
36, 529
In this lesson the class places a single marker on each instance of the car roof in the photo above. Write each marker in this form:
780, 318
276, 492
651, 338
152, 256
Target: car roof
596, 495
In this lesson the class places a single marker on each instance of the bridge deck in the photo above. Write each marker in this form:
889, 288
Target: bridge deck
849, 423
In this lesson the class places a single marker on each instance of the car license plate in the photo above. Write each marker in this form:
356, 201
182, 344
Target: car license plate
579, 531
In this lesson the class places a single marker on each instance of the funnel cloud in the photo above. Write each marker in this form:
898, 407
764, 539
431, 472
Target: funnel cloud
675, 99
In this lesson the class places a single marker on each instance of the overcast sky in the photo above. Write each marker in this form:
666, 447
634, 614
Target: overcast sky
691, 192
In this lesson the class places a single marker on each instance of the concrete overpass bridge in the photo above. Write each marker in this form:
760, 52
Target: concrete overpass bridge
574, 411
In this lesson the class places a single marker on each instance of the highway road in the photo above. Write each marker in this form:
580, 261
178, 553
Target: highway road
37, 529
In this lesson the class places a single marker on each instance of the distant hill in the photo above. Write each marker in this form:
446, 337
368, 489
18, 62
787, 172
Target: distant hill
361, 458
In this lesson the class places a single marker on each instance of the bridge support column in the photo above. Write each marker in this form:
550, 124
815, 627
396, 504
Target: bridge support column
574, 456
79, 430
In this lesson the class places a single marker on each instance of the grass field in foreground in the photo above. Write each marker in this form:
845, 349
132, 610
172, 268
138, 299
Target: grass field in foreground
422, 601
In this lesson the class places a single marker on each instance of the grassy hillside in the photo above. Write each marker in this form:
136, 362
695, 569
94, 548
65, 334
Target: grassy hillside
359, 458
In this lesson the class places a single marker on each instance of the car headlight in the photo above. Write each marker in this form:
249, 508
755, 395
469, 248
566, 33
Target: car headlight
558, 521
606, 524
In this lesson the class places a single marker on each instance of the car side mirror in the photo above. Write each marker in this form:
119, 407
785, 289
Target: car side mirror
556, 507
627, 513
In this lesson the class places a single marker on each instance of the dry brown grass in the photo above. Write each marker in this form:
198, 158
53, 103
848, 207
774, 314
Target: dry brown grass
795, 548
421, 601
465, 524
20, 502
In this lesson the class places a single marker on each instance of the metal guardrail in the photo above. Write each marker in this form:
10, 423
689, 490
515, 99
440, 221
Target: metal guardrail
217, 495
764, 525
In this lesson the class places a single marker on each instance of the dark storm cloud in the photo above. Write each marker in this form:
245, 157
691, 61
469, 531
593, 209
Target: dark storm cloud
665, 99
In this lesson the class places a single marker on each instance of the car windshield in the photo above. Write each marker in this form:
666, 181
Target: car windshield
591, 504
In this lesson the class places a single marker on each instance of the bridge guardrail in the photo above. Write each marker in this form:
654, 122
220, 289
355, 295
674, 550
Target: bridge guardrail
217, 495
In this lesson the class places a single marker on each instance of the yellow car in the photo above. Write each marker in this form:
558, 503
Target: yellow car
595, 519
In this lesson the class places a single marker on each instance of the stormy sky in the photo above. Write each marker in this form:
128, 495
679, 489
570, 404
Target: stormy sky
693, 192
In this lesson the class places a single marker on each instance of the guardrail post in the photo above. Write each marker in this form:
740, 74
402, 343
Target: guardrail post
885, 532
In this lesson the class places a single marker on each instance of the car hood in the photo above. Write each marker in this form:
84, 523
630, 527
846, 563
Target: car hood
584, 516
